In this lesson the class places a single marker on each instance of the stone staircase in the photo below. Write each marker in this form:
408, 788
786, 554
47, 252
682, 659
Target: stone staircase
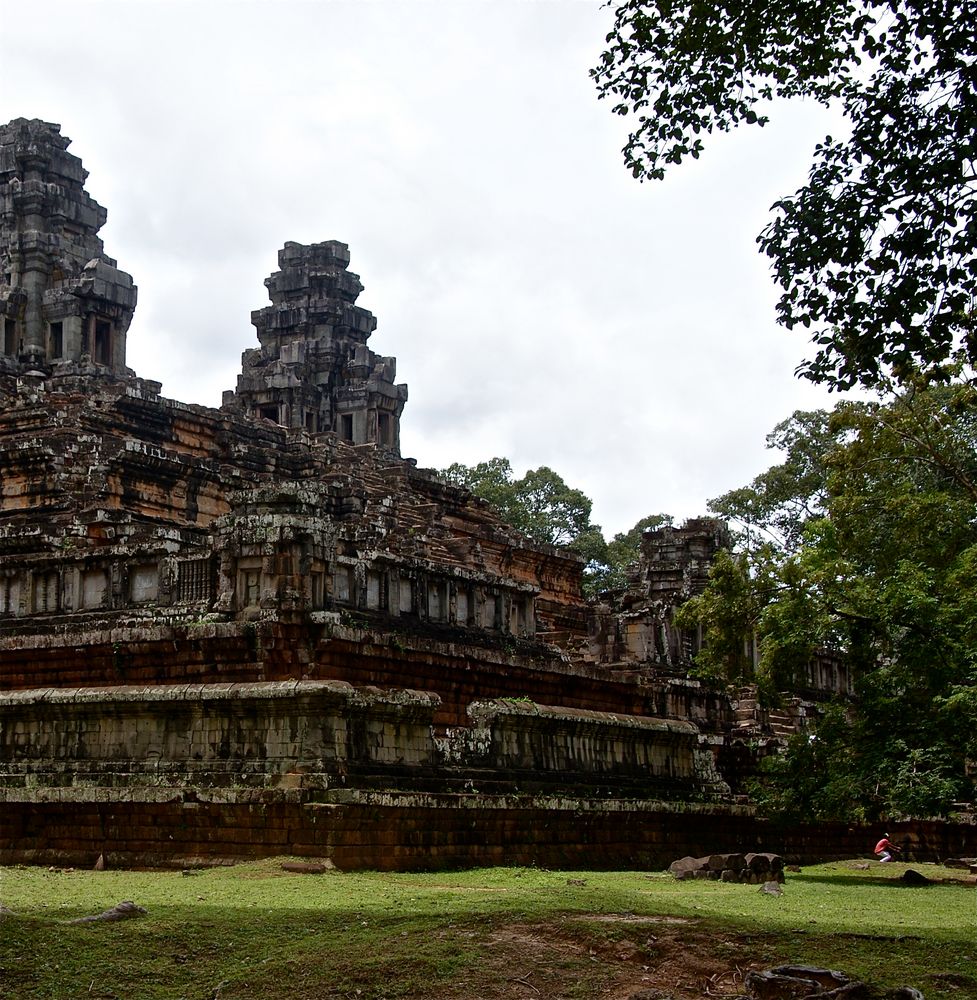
751, 717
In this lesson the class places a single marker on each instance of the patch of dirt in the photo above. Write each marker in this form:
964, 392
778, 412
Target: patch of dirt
611, 957
953, 981
445, 887
633, 918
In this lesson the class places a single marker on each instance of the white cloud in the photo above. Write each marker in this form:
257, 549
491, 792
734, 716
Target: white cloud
542, 304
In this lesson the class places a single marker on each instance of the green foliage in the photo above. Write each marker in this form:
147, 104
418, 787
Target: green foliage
544, 507
840, 773
876, 560
876, 254
727, 612
923, 782
818, 777
540, 504
778, 504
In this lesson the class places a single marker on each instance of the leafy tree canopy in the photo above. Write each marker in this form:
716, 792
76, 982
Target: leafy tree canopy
880, 565
876, 254
777, 505
544, 507
540, 504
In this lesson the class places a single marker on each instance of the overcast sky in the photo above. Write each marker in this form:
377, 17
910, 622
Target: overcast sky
541, 303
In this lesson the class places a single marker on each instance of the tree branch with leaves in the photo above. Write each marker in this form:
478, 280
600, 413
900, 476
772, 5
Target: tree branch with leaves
877, 254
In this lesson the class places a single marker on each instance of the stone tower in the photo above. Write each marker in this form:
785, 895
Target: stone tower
62, 300
675, 562
314, 370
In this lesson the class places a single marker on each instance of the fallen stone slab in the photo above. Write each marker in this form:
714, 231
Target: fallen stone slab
827, 979
121, 911
683, 867
912, 877
305, 867
758, 878
803, 982
770, 985
850, 991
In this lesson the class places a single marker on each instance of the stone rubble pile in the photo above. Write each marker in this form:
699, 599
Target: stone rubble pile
969, 863
751, 869
798, 982
801, 982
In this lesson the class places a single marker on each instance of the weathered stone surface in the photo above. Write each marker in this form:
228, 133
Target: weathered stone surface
305, 867
314, 370
771, 985
687, 865
63, 302
912, 877
729, 867
721, 862
792, 982
762, 862
826, 979
967, 863
125, 910
296, 734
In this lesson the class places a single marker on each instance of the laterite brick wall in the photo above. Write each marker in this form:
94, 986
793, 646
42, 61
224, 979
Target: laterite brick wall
393, 832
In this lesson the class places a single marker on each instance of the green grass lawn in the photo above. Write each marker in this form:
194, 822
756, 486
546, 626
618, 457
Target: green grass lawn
254, 931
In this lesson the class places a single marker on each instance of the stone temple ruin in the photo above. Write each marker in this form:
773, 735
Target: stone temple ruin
257, 629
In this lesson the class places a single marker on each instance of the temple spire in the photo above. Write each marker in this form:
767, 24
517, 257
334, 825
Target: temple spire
62, 300
314, 370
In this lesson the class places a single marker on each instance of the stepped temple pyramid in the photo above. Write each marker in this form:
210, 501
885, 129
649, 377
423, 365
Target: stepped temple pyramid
257, 629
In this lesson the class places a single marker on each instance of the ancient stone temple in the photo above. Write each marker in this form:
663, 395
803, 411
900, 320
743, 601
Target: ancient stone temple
257, 629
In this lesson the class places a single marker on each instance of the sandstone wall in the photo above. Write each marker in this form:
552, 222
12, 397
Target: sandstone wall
317, 735
526, 742
210, 735
458, 667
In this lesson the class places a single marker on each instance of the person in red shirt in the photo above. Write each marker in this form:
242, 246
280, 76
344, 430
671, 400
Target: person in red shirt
884, 848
